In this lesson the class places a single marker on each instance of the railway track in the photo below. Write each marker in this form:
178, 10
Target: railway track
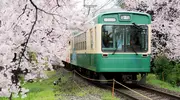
156, 94
136, 92
145, 93
151, 94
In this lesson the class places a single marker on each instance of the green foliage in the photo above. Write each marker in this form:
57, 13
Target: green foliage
21, 78
45, 90
161, 65
152, 79
167, 70
122, 5
33, 56
3, 98
46, 61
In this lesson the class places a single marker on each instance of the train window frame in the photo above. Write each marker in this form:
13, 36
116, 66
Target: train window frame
77, 46
95, 37
85, 40
85, 45
81, 46
124, 41
80, 41
91, 38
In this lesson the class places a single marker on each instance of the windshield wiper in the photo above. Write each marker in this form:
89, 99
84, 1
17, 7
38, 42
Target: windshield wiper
134, 49
137, 26
116, 49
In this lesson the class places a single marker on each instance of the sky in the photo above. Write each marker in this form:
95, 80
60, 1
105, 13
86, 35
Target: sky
106, 3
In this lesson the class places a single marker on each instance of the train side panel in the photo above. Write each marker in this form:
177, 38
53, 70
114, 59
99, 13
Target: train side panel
92, 58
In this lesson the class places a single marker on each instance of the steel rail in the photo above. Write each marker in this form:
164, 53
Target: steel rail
162, 93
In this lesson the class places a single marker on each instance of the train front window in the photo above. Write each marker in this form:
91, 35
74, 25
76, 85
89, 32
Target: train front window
125, 38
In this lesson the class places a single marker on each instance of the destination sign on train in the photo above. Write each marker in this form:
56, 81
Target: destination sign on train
109, 19
125, 17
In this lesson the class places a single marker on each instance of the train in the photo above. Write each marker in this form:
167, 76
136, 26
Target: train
116, 45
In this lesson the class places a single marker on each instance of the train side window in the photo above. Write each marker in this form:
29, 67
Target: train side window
80, 45
83, 39
74, 42
77, 46
85, 45
71, 44
95, 37
91, 38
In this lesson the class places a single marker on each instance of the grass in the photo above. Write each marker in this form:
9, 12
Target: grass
39, 90
151, 79
45, 90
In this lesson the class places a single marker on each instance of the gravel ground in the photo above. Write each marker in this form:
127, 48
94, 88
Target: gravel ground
87, 97
82, 86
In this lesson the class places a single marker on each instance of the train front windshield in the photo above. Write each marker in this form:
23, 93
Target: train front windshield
125, 38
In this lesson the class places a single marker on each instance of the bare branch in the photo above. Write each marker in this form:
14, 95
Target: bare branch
57, 1
48, 32
31, 31
60, 23
51, 13
24, 9
63, 2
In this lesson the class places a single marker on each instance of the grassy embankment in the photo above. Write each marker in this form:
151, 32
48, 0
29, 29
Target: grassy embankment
151, 79
39, 90
45, 90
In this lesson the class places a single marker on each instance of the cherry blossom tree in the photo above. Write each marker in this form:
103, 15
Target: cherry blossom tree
165, 24
34, 34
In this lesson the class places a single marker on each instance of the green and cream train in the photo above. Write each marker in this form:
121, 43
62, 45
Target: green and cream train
118, 46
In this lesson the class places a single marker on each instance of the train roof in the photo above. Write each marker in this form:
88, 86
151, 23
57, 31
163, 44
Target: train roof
114, 12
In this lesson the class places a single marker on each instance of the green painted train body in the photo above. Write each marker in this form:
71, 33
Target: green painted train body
91, 55
114, 63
